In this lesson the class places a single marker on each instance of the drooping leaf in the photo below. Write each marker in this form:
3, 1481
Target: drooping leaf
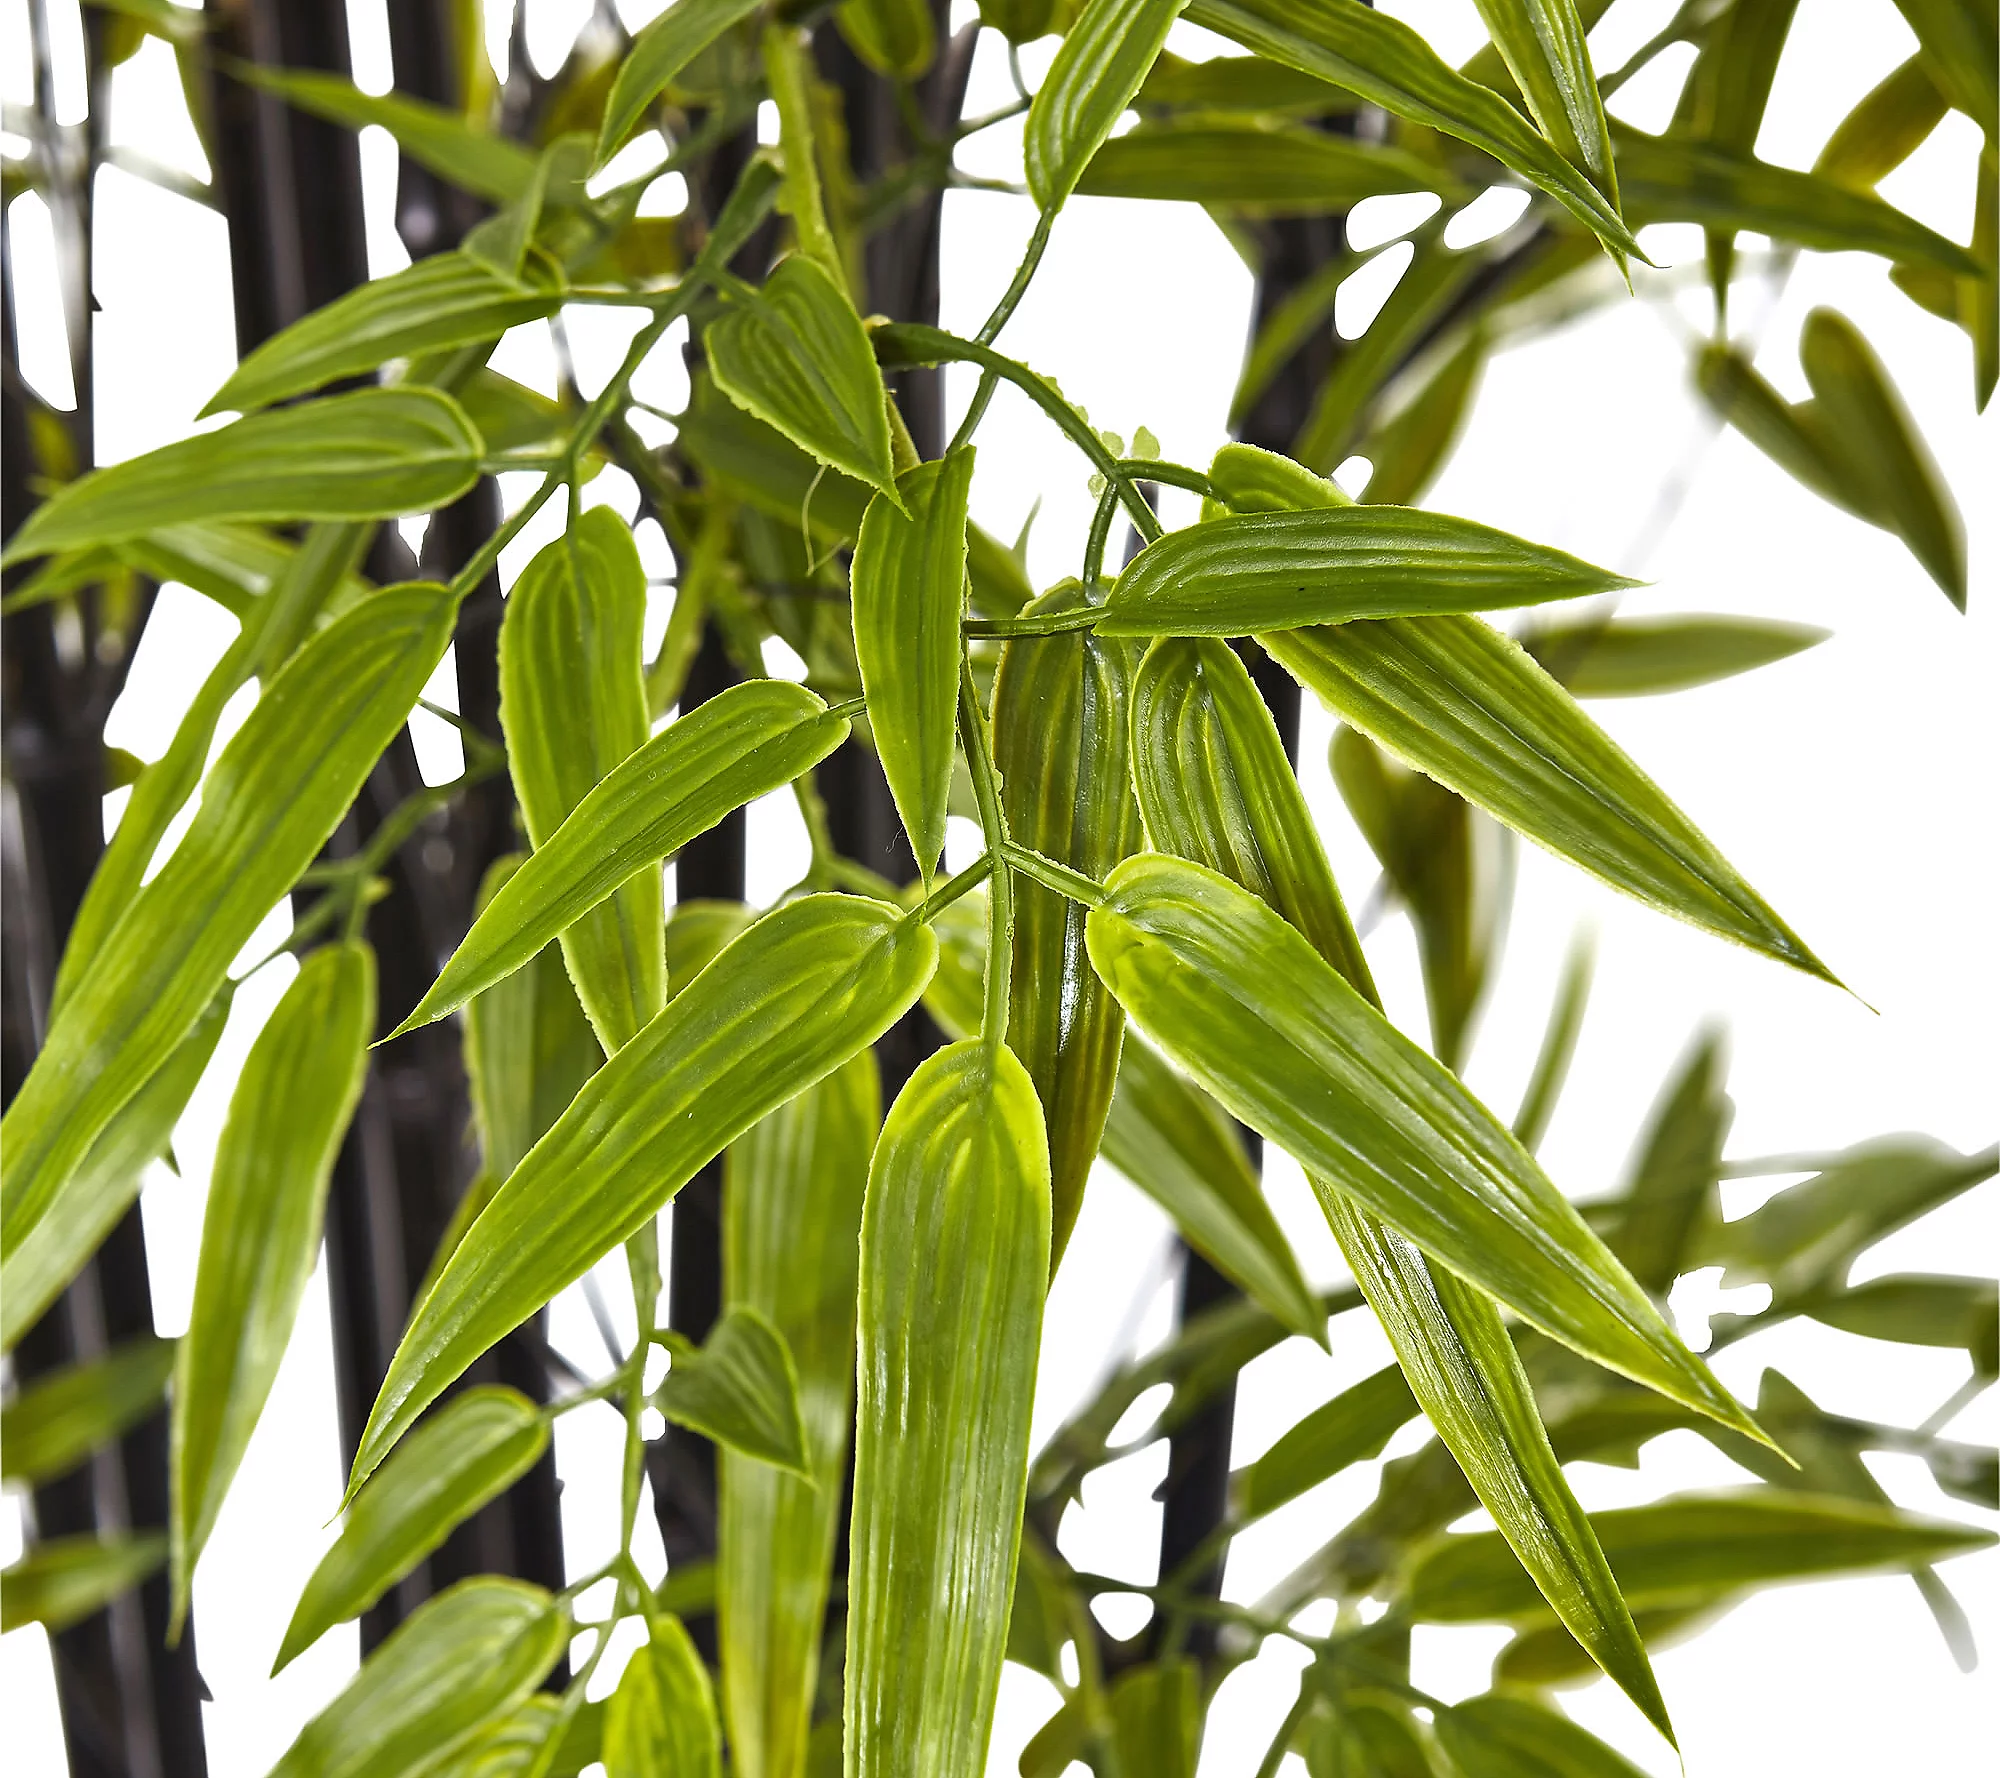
1920, 1310
894, 37
1636, 657
751, 739
260, 1229
1499, 1736
657, 55
1469, 708
661, 1719
1105, 55
62, 1581
1241, 1001
795, 355
59, 1419
791, 1210
1254, 167
1558, 1049
369, 455
472, 1449
1674, 1174
804, 989
1542, 43
954, 1264
909, 596
740, 1389
449, 300
573, 708
1280, 570
1062, 741
1353, 1426
472, 1653
1156, 1714
268, 805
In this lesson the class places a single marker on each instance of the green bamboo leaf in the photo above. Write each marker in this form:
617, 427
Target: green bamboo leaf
1254, 167
1237, 83
512, 1746
1499, 1736
1062, 741
1294, 319
806, 988
761, 466
1453, 1348
106, 1181
59, 1419
1406, 451
791, 1209
1350, 1428
1385, 61
1920, 1310
795, 355
894, 37
61, 1582
661, 1719
753, 738
1542, 43
1691, 1549
472, 1653
1467, 707
1654, 1223
657, 56
1666, 179
954, 1264
1889, 125
1961, 44
573, 709
1247, 479
434, 136
1558, 1049
472, 1449
697, 931
369, 455
1156, 1715
741, 1389
909, 596
1862, 415
279, 789
260, 1230
1368, 1739
1198, 965
1105, 55
446, 301
1637, 657
1283, 570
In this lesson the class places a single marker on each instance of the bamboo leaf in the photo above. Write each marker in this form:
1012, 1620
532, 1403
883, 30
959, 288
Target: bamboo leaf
1350, 1428
1889, 125
471, 1450
791, 1208
260, 1230
697, 931
1468, 708
760, 465
1062, 741
894, 37
1156, 1714
1406, 451
909, 596
573, 708
1254, 167
1499, 1736
1386, 62
66, 1579
268, 805
661, 1718
1673, 1187
471, 1653
741, 1390
59, 1419
954, 1264
751, 739
1637, 657
1920, 1310
1239, 999
1237, 83
1542, 43
802, 991
1247, 479
1105, 55
1961, 43
657, 56
1538, 1100
369, 455
795, 355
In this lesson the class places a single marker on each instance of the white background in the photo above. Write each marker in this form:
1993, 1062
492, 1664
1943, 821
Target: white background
1853, 786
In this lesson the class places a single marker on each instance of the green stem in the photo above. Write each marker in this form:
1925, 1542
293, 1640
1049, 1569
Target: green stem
1003, 311
949, 891
1100, 536
978, 744
1051, 875
1049, 623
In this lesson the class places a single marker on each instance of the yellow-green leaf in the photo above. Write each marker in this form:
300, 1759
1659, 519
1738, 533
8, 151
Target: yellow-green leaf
740, 1389
59, 1419
894, 37
1105, 55
62, 1581
1637, 657
661, 1719
657, 55
1258, 168
1499, 1736
1353, 1426
1542, 43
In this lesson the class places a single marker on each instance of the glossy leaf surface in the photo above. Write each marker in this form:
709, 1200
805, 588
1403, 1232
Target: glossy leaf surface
741, 1390
1350, 1428
59, 1419
1249, 479
657, 55
1542, 42
1505, 1737
661, 1719
1104, 57
62, 1581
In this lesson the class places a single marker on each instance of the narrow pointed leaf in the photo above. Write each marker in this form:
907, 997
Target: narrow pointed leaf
260, 1230
1920, 1310
573, 708
1237, 83
1506, 1737
1961, 43
1062, 741
1406, 451
954, 1264
369, 455
909, 596
795, 355
1253, 167
1350, 1428
279, 789
1383, 60
657, 55
1241, 1001
751, 739
791, 1250
61, 1582
1280, 570
1542, 43
661, 1719
1156, 1713
472, 1449
802, 991
59, 1419
1105, 55
1469, 708
1637, 657
741, 1390
1884, 130
472, 1653
1558, 1050
1673, 1183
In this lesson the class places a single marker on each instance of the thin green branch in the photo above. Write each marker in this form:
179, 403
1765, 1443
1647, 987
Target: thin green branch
978, 743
